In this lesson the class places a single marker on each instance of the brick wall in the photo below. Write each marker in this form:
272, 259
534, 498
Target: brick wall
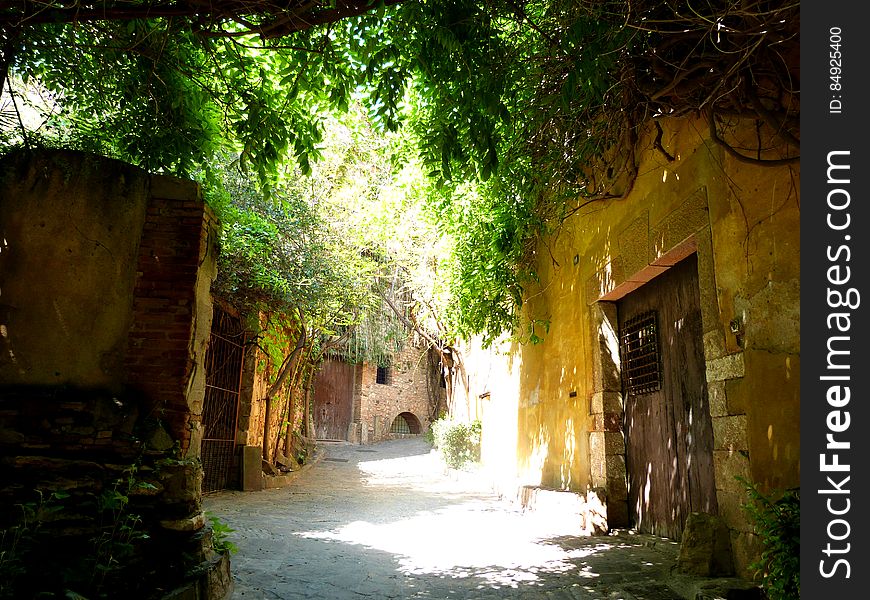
171, 315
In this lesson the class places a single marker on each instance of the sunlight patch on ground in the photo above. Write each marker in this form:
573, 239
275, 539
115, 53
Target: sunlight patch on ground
472, 536
463, 540
407, 472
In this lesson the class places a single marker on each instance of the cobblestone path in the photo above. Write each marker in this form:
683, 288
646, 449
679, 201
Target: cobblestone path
385, 521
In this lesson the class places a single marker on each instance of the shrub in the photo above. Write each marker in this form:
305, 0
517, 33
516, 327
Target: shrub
777, 522
220, 532
458, 443
21, 540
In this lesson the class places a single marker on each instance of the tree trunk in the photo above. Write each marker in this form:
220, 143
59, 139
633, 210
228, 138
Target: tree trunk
266, 428
309, 421
289, 413
287, 367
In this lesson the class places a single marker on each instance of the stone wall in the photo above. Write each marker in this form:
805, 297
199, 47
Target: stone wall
408, 386
105, 312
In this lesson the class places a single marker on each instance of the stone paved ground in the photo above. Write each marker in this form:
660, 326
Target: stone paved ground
386, 521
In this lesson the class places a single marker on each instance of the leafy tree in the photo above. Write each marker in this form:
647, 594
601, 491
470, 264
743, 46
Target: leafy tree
522, 111
284, 259
323, 257
230, 18
156, 94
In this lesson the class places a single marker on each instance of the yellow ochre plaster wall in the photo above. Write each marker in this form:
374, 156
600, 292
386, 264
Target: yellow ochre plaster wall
742, 220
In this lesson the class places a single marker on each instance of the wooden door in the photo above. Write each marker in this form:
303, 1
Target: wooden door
668, 430
333, 400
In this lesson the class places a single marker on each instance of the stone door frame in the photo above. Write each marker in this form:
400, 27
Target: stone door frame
646, 250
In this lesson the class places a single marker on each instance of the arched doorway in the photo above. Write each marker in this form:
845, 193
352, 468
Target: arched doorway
406, 424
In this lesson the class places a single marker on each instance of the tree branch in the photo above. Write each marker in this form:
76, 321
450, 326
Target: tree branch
772, 162
278, 19
769, 117
9, 42
289, 360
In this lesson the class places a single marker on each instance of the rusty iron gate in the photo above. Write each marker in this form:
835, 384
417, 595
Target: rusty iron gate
224, 361
668, 429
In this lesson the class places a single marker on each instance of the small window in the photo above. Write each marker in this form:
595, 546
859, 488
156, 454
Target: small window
383, 376
639, 353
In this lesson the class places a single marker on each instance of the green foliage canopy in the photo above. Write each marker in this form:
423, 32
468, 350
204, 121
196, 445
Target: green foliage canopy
518, 108
284, 256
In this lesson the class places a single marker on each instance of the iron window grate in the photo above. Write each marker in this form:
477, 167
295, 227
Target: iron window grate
383, 376
400, 425
639, 353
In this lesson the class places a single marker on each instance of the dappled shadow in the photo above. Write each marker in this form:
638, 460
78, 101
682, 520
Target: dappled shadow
460, 550
392, 524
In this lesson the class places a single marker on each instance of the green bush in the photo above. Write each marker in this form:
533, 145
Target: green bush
458, 443
220, 532
20, 541
777, 522
429, 435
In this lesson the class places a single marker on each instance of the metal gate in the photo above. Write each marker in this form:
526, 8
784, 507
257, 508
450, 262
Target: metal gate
224, 361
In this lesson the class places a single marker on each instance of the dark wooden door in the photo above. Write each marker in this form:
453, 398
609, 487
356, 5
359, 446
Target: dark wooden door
333, 400
668, 430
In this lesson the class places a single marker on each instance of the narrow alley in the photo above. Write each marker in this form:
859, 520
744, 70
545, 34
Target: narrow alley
386, 521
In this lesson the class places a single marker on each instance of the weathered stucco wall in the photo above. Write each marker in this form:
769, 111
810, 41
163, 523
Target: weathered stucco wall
70, 238
742, 220
105, 311
493, 397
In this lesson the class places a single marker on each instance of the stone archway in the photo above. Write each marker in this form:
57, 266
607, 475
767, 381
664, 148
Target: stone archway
406, 423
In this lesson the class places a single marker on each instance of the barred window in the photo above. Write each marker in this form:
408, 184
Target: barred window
640, 356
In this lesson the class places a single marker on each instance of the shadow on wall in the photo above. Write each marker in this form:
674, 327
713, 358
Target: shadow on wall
104, 315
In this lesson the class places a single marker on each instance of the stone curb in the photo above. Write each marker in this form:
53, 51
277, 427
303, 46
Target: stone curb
279, 481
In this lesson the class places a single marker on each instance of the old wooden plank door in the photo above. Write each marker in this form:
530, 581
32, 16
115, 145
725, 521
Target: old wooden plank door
668, 430
333, 400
